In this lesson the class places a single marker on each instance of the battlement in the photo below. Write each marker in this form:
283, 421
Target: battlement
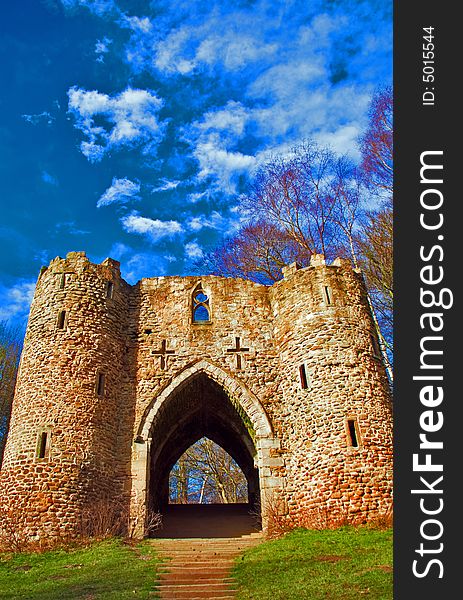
79, 262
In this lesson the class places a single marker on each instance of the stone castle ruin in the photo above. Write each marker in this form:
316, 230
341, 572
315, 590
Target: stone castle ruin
117, 381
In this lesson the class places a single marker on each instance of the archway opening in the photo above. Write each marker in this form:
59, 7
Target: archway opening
207, 474
200, 412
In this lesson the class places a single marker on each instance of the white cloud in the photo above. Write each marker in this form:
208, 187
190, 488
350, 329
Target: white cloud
224, 165
120, 191
118, 250
343, 140
232, 40
98, 7
15, 301
131, 117
71, 228
234, 50
169, 55
214, 221
165, 186
154, 229
283, 81
43, 117
137, 24
102, 47
197, 196
231, 119
94, 152
193, 250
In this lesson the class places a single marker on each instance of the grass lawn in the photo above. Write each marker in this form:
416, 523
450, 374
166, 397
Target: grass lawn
343, 564
104, 570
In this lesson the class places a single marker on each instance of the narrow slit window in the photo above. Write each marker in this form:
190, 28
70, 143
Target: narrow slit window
353, 435
100, 384
200, 307
63, 281
61, 319
303, 377
43, 445
328, 295
109, 289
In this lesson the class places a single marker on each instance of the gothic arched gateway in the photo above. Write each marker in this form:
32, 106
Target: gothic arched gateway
202, 401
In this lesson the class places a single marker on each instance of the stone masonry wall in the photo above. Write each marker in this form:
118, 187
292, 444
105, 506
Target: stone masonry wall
238, 309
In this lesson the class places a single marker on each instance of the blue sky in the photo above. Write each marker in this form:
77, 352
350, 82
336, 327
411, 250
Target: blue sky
129, 128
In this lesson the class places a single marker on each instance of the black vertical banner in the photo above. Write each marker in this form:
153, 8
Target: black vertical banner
428, 446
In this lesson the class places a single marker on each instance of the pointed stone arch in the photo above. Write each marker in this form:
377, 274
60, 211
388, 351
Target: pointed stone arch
236, 390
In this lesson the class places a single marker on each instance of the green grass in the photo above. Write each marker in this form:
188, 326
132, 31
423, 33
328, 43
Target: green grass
103, 571
343, 564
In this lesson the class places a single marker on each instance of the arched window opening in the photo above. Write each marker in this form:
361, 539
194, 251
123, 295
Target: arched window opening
200, 306
207, 474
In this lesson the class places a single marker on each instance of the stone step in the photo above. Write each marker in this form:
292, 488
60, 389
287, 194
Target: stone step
188, 595
204, 555
196, 571
195, 540
197, 587
189, 592
218, 540
203, 547
181, 579
191, 564
211, 550
229, 548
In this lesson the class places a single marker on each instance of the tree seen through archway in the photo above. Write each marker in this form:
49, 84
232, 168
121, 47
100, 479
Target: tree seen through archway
207, 474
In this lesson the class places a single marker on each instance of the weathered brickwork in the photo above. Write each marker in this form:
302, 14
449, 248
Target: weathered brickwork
116, 381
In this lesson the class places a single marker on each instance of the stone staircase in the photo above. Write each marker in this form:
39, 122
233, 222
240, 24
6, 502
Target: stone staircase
199, 568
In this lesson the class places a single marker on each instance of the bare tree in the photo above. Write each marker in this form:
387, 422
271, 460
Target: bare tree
10, 350
209, 474
377, 143
257, 252
374, 237
299, 194
374, 241
299, 204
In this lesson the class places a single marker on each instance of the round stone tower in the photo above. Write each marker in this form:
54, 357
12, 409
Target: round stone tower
63, 451
336, 419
